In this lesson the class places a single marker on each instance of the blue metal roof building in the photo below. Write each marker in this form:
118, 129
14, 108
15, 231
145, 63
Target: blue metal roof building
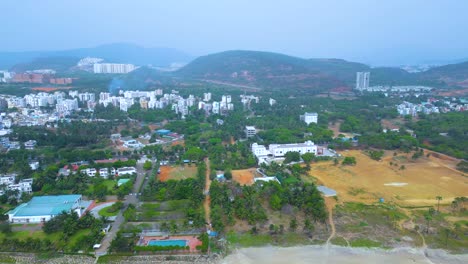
43, 208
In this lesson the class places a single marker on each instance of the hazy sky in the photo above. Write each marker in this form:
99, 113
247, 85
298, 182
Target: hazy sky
379, 32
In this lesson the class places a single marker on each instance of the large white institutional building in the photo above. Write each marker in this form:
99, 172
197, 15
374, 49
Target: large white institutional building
279, 150
113, 68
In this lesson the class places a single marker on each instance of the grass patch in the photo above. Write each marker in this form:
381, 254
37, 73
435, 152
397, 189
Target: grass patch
113, 258
105, 212
356, 191
339, 241
250, 240
6, 259
364, 242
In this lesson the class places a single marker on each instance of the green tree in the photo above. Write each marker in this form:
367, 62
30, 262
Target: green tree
293, 224
308, 157
349, 161
438, 198
147, 165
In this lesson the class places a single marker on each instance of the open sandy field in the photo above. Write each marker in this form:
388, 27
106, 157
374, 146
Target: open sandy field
177, 172
416, 185
244, 177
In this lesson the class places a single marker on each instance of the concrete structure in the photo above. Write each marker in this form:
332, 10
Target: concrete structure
43, 208
362, 80
113, 68
250, 131
309, 118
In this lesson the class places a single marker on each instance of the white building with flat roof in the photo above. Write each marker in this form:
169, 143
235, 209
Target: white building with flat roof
126, 171
279, 150
309, 118
250, 131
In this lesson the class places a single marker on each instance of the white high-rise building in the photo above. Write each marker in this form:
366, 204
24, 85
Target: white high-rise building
113, 68
362, 80
206, 97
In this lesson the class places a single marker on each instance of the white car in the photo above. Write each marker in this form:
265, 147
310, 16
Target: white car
96, 246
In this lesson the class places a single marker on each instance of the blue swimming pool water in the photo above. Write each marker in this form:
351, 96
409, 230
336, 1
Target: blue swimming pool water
164, 243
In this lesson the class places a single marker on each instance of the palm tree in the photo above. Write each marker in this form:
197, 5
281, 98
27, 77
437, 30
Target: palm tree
438, 198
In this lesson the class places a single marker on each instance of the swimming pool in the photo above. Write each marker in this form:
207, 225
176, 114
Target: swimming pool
166, 243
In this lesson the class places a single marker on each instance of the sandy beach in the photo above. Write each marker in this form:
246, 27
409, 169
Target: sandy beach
336, 254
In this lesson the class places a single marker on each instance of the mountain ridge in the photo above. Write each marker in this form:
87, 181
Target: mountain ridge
114, 52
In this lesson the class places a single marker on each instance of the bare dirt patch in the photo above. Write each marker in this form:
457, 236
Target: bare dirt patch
335, 127
244, 177
426, 178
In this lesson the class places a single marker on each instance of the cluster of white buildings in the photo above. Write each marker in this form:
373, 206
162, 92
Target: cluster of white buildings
8, 183
246, 99
407, 108
88, 61
149, 100
216, 107
102, 172
115, 68
362, 85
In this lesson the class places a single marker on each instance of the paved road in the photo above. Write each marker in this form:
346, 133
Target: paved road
119, 220
95, 210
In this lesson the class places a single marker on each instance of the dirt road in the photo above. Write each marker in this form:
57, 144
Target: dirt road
206, 203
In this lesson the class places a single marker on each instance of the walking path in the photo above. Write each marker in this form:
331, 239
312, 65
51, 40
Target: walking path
330, 203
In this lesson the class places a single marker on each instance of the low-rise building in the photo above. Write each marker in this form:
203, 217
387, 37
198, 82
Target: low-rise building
104, 173
30, 144
43, 208
126, 171
279, 150
309, 118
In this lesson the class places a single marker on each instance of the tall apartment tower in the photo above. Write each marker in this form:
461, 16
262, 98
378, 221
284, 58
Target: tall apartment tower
362, 80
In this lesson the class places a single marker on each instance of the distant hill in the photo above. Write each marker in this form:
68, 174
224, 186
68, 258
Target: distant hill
58, 64
452, 74
119, 53
273, 70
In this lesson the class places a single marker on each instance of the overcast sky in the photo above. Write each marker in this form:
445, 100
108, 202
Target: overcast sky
377, 32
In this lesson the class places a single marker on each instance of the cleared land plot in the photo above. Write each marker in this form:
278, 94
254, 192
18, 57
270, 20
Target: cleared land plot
162, 211
244, 177
335, 127
177, 172
366, 182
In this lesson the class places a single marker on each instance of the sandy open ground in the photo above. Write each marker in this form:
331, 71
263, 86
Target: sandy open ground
334, 254
177, 172
244, 177
418, 184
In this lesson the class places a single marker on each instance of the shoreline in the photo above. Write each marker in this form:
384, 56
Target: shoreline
338, 254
